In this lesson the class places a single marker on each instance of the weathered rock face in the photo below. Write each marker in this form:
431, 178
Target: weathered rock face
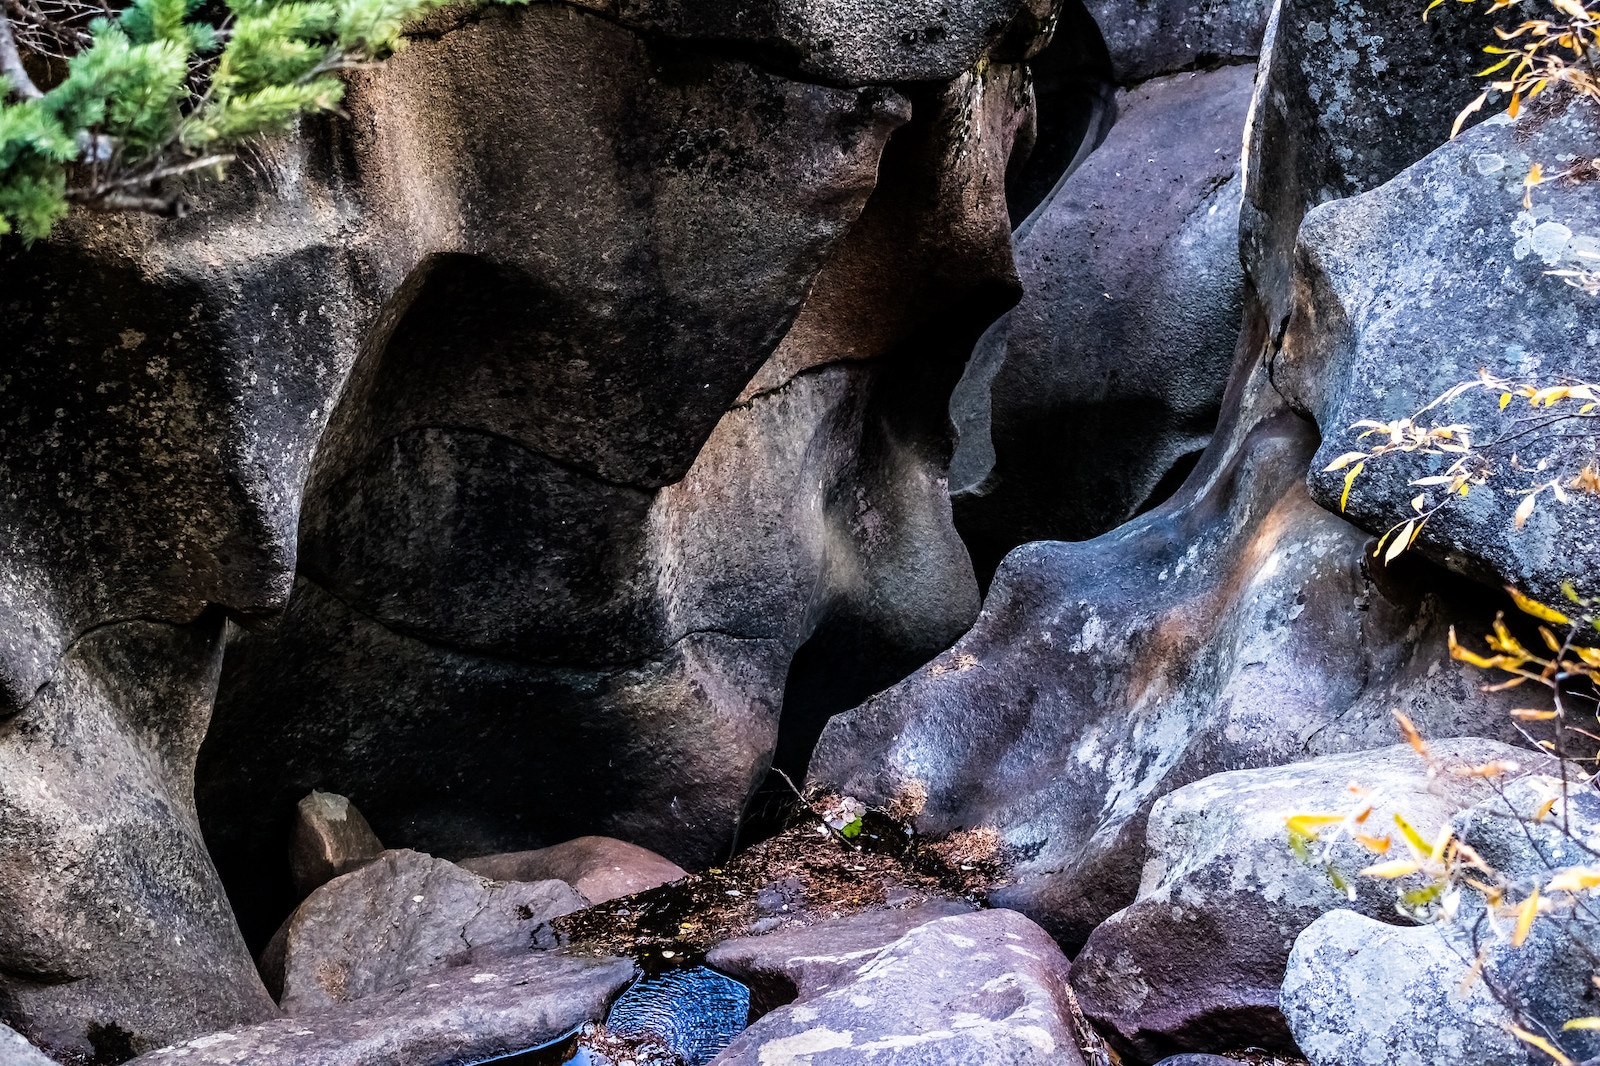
971, 989
331, 838
115, 937
800, 964
1195, 963
470, 1014
1234, 626
1359, 992
401, 917
1147, 39
1348, 96
600, 868
1445, 265
532, 653
1106, 379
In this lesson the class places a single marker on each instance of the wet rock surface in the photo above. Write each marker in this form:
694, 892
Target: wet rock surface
466, 1014
1196, 962
983, 987
401, 917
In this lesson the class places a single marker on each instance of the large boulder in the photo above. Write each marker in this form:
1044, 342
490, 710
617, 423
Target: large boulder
469, 1014
401, 917
1234, 626
1446, 265
967, 990
1348, 95
1091, 398
1358, 992
600, 868
15, 1050
1196, 961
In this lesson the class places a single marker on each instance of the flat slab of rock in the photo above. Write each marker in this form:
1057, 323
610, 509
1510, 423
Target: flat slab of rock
1196, 962
400, 917
804, 962
974, 989
468, 1014
330, 838
600, 868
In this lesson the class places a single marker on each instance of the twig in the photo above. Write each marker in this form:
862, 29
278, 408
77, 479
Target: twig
11, 63
814, 812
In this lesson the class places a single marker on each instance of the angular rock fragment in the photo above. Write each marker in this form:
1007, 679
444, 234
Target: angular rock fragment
1091, 399
331, 838
967, 990
1420, 285
1195, 963
395, 921
799, 964
600, 868
1358, 992
470, 1014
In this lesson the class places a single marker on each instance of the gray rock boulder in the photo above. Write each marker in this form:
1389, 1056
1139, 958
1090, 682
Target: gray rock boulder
1464, 289
395, 921
967, 990
471, 1014
1221, 630
1358, 992
15, 1050
1348, 95
1147, 39
1196, 962
600, 868
1092, 397
801, 963
331, 838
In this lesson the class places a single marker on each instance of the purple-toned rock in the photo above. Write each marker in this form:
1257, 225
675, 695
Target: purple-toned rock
600, 868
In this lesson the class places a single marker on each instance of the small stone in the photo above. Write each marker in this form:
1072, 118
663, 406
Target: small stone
601, 868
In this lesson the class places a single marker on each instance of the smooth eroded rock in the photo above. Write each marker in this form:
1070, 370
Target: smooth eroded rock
15, 1050
471, 1014
1092, 398
396, 920
600, 868
1148, 38
968, 990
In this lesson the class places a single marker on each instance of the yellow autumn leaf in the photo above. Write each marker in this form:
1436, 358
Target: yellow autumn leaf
1505, 398
1349, 479
1461, 119
1526, 912
1392, 869
1380, 845
1401, 542
1413, 837
1308, 824
1343, 461
1583, 1023
1577, 879
1545, 808
1529, 605
1525, 509
1532, 714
